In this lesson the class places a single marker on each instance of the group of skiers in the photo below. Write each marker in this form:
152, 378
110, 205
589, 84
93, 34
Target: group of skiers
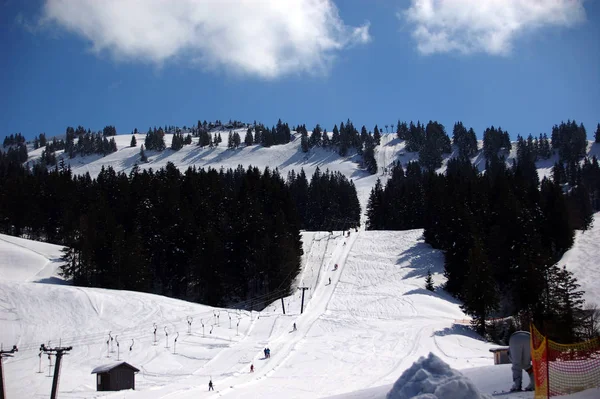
335, 267
267, 352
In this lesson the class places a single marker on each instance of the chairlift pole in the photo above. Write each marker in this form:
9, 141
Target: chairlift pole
302, 303
59, 352
4, 354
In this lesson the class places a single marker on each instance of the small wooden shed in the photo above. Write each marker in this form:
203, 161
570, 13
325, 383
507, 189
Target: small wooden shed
115, 376
500, 355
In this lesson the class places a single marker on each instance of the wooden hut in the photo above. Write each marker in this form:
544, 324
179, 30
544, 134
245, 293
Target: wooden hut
115, 376
500, 355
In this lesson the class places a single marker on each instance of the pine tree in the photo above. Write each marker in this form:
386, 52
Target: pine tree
326, 140
429, 282
436, 143
369, 156
248, 140
566, 302
481, 295
376, 136
335, 136
133, 142
597, 134
376, 212
109, 131
315, 137
304, 141
416, 137
143, 157
402, 130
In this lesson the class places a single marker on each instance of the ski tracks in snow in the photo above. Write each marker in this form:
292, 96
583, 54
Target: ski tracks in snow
284, 345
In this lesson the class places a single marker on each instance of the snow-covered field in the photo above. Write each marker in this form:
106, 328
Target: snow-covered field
356, 336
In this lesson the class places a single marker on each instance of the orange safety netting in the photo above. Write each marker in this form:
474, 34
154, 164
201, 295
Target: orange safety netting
561, 369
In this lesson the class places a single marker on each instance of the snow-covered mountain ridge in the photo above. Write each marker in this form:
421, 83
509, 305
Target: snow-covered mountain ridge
284, 157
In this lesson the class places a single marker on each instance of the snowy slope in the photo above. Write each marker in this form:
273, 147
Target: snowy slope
582, 260
361, 331
344, 326
25, 260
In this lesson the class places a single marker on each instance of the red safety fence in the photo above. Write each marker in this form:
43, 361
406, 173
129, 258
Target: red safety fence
563, 369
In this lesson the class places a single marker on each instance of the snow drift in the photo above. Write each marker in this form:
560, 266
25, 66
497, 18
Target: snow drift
431, 378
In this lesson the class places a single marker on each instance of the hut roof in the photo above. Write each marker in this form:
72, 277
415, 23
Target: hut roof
107, 367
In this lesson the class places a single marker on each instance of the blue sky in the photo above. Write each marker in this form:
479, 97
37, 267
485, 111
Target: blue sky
523, 65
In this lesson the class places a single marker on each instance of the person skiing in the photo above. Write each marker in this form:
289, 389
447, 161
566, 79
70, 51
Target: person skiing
210, 386
335, 267
268, 353
294, 329
329, 280
519, 354
252, 368
265, 351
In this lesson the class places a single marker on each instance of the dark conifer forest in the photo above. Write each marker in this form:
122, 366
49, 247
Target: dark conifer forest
502, 231
217, 237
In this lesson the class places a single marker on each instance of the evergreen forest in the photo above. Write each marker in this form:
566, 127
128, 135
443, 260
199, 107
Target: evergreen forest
502, 231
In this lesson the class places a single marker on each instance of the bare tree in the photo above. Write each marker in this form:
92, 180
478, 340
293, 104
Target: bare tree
590, 322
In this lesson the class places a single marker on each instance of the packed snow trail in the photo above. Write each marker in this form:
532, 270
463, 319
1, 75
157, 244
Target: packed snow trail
373, 323
230, 372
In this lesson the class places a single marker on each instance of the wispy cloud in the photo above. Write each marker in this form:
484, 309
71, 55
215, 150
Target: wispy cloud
490, 26
265, 38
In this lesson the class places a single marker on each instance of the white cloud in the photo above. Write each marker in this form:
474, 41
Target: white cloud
268, 38
490, 26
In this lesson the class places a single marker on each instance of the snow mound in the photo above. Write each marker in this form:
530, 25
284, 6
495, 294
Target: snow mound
431, 378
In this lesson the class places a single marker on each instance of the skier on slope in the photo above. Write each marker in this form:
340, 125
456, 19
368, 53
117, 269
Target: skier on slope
210, 386
294, 327
519, 353
252, 368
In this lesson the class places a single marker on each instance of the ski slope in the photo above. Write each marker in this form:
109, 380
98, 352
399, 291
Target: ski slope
355, 337
25, 260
